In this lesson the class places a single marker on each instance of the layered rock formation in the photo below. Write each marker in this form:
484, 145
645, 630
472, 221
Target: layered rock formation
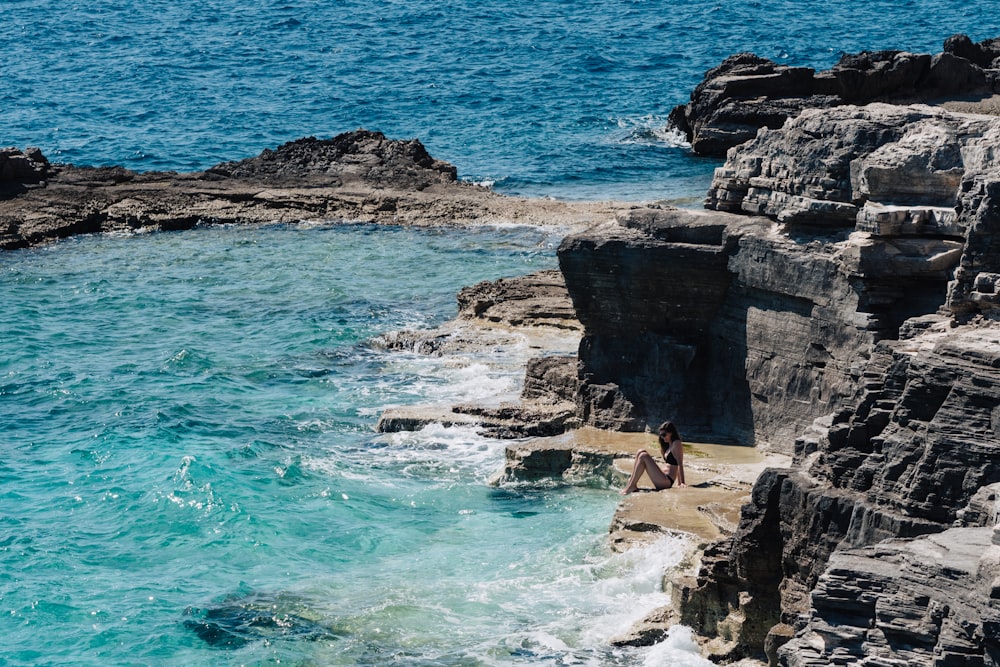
358, 176
927, 601
748, 323
909, 456
844, 309
746, 92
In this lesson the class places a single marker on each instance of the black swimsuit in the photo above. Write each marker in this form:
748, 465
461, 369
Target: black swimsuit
670, 461
669, 458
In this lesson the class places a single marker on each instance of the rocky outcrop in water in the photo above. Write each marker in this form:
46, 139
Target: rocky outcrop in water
746, 92
21, 169
494, 315
358, 176
362, 155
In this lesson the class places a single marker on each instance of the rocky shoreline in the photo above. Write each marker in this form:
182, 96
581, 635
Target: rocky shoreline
839, 305
836, 305
358, 176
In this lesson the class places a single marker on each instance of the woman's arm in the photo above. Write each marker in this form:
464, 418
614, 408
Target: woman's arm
678, 448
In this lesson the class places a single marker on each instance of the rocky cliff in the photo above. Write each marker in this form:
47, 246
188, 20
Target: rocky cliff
747, 323
839, 302
747, 92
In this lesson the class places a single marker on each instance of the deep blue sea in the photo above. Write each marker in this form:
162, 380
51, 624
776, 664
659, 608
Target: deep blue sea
565, 98
190, 473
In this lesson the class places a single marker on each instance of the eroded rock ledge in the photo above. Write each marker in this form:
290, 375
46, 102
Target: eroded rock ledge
534, 311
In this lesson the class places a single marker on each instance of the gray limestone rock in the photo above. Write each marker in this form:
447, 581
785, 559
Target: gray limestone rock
538, 298
824, 166
841, 304
910, 455
902, 602
746, 93
493, 315
739, 328
357, 176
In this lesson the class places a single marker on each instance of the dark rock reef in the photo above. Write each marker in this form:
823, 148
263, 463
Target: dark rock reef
747, 92
359, 156
241, 619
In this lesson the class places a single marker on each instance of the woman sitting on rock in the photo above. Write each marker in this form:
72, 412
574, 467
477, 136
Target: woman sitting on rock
672, 450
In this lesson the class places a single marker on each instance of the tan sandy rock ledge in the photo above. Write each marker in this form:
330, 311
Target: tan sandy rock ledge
719, 480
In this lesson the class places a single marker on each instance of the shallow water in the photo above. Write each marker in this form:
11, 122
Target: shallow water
191, 474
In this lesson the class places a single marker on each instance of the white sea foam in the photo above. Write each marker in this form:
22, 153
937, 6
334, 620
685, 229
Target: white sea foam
456, 445
491, 371
631, 585
677, 650
587, 605
450, 380
483, 183
650, 129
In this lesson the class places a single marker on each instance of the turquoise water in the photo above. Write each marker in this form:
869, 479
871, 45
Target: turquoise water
191, 475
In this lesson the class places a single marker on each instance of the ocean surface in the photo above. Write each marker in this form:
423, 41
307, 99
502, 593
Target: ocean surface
190, 473
563, 98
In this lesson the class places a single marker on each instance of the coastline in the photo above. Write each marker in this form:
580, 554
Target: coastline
114, 200
838, 310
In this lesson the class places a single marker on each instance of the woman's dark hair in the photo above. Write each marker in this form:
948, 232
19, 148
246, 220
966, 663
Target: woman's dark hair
668, 428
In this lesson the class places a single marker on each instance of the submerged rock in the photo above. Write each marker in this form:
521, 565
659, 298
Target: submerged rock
240, 620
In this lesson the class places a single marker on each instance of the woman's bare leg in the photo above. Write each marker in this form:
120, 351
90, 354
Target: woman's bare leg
633, 481
645, 463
